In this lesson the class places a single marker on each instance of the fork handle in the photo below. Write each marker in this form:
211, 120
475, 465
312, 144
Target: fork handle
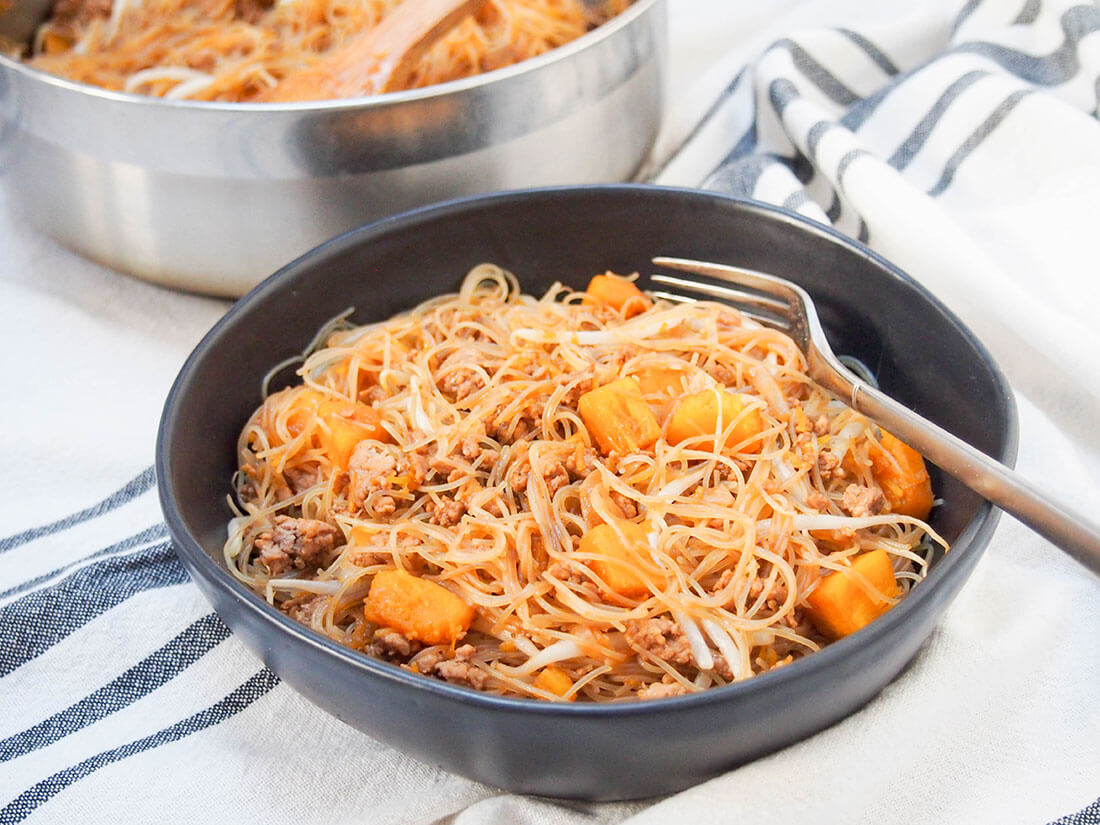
993, 481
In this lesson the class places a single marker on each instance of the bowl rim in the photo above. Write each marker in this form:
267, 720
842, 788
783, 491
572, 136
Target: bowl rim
198, 561
589, 40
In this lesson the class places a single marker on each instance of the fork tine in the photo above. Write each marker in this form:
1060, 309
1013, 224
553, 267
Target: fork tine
726, 293
761, 281
766, 318
674, 297
774, 301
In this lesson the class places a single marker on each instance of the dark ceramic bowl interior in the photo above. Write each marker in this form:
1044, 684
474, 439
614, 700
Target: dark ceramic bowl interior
920, 353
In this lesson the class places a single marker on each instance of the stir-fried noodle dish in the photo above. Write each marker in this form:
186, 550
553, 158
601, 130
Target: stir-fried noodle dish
590, 495
240, 50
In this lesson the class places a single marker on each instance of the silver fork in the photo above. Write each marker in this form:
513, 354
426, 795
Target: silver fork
779, 303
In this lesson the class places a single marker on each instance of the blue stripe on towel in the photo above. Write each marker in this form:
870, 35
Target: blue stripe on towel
919, 136
34, 623
723, 97
129, 492
1052, 69
153, 533
254, 688
1086, 816
872, 51
1029, 13
850, 156
139, 681
817, 74
967, 10
976, 138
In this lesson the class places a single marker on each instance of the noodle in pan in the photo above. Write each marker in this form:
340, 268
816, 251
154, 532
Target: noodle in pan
234, 50
587, 496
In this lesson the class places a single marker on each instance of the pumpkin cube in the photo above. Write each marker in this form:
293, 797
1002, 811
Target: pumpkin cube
618, 417
838, 606
710, 411
617, 558
417, 608
618, 293
554, 680
899, 470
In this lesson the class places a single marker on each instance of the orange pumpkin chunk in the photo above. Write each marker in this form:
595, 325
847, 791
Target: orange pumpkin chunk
704, 413
660, 380
618, 560
835, 538
900, 472
660, 385
299, 414
417, 608
346, 424
838, 606
618, 417
554, 680
617, 292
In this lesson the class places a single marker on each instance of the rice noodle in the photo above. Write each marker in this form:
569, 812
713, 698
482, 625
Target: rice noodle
244, 48
699, 650
564, 649
482, 477
737, 661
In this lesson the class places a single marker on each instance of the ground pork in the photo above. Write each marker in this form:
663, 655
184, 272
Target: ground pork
519, 475
393, 646
447, 512
777, 591
818, 500
573, 573
723, 580
722, 374
79, 12
300, 543
828, 464
510, 427
580, 463
373, 394
626, 505
425, 662
722, 667
252, 11
302, 478
661, 690
473, 450
859, 501
556, 477
461, 673
305, 607
661, 638
417, 468
460, 383
457, 670
370, 468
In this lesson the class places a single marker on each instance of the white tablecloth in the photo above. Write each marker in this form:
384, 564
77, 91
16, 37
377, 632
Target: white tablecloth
960, 141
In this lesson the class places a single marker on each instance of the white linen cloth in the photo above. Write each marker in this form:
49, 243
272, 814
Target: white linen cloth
960, 141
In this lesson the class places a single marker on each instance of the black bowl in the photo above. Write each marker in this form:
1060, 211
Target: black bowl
921, 354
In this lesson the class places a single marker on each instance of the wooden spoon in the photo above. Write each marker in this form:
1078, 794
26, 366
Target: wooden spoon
376, 60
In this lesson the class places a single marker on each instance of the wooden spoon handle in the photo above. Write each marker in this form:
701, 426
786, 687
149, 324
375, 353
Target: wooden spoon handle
379, 59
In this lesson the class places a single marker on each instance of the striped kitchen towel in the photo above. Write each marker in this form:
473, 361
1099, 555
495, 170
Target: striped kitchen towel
960, 141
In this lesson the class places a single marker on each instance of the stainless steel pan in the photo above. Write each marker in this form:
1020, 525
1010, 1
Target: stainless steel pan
212, 197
